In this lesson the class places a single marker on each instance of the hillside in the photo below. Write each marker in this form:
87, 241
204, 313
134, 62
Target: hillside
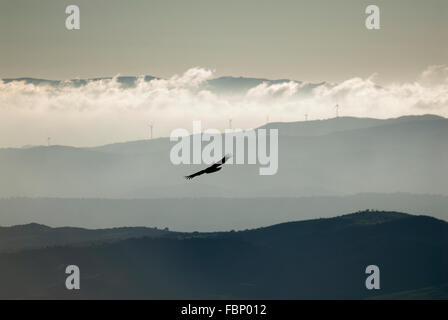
34, 235
323, 258
316, 158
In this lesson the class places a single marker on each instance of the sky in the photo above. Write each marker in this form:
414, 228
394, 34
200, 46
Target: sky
320, 40
398, 70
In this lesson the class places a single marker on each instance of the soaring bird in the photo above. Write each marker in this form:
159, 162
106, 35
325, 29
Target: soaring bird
213, 168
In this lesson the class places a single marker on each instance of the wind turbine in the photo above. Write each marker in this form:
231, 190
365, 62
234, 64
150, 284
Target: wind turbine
337, 111
230, 123
151, 126
48, 141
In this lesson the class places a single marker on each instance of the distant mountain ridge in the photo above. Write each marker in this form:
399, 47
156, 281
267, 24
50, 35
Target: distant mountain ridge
316, 158
327, 126
33, 235
193, 214
126, 81
220, 85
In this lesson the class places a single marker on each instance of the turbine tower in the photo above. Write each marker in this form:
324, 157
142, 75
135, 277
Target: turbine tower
230, 123
151, 126
337, 111
48, 141
306, 116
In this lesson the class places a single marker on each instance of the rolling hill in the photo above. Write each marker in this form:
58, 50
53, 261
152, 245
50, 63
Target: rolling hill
323, 258
33, 235
207, 214
316, 158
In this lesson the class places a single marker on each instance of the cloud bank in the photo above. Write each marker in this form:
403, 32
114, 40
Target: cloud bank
105, 111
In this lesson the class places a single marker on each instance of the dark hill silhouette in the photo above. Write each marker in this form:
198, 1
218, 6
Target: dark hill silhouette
189, 214
324, 258
35, 235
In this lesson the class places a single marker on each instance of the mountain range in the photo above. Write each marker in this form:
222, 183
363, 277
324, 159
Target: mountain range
321, 258
339, 156
208, 214
222, 85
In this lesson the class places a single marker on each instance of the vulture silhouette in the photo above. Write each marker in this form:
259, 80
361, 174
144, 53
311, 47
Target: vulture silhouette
213, 168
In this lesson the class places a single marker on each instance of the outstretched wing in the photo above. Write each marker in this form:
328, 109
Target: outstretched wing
220, 162
195, 175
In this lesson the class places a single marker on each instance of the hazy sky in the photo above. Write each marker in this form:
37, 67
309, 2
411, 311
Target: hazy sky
398, 70
303, 40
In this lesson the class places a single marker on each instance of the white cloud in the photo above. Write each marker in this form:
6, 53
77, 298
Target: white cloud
278, 90
434, 75
104, 111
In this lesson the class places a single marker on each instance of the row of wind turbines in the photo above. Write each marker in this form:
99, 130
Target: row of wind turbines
151, 125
